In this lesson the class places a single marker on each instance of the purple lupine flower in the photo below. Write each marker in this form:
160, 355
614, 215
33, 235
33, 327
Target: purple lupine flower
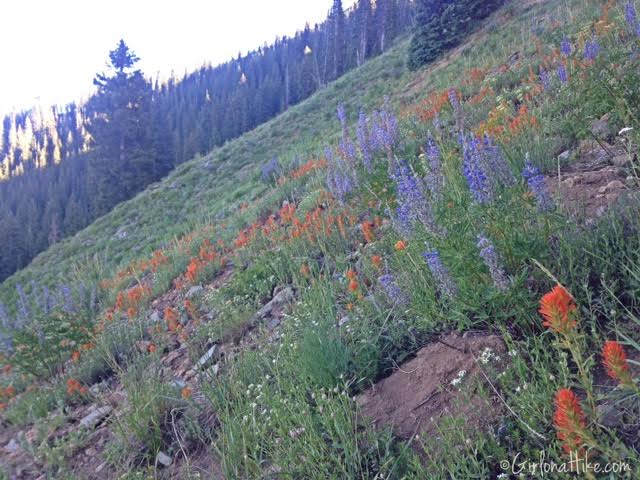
562, 73
46, 300
342, 117
5, 321
362, 133
413, 205
93, 299
67, 299
535, 182
340, 178
494, 161
546, 81
6, 339
23, 303
436, 122
384, 130
565, 47
474, 172
271, 170
392, 290
348, 150
591, 49
445, 284
434, 178
453, 99
631, 17
493, 262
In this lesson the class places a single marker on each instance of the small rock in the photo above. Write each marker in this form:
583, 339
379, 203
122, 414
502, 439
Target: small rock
613, 186
565, 156
12, 446
121, 234
609, 415
273, 323
177, 383
601, 128
163, 459
284, 296
154, 317
296, 432
100, 467
171, 357
621, 160
204, 359
95, 417
97, 388
343, 320
193, 291
91, 452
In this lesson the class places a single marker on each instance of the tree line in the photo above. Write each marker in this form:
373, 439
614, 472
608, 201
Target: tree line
61, 168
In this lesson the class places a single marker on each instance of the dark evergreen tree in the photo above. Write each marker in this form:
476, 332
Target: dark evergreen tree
118, 117
340, 46
442, 24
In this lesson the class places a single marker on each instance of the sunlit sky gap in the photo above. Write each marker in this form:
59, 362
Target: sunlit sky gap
50, 50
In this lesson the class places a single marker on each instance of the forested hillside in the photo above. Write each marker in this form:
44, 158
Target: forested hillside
59, 176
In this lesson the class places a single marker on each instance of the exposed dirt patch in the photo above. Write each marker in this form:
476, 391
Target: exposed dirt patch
588, 187
417, 395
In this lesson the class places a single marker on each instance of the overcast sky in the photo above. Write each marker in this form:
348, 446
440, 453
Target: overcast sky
50, 50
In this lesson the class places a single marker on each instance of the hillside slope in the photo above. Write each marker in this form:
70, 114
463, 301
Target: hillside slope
209, 186
442, 287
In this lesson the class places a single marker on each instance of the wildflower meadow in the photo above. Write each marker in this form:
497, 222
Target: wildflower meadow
278, 334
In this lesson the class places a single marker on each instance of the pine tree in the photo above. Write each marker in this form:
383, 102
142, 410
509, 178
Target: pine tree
340, 46
442, 24
118, 116
428, 40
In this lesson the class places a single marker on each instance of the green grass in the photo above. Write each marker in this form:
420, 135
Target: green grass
287, 408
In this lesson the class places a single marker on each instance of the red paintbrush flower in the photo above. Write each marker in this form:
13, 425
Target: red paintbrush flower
569, 420
558, 309
614, 359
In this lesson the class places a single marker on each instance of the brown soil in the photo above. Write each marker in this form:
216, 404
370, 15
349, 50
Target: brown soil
588, 187
419, 393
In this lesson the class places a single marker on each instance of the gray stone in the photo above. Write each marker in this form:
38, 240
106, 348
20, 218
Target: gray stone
95, 417
154, 317
273, 323
283, 297
609, 415
12, 446
163, 459
100, 467
565, 156
206, 358
621, 160
343, 320
600, 128
177, 383
121, 235
193, 291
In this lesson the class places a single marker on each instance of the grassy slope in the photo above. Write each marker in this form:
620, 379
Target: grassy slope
207, 187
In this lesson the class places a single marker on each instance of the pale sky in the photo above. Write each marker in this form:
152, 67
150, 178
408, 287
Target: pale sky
50, 50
